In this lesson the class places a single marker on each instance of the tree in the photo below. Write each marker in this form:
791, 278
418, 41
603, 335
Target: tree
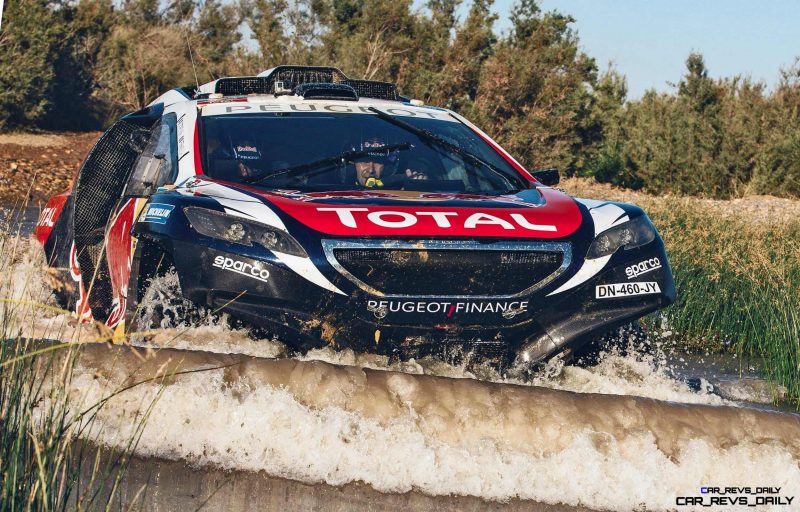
46, 53
370, 39
217, 34
136, 66
696, 87
265, 19
456, 85
142, 13
535, 90
606, 127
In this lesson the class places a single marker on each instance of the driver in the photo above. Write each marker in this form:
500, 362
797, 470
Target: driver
370, 167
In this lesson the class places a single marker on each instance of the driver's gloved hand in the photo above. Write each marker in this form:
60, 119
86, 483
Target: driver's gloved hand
415, 175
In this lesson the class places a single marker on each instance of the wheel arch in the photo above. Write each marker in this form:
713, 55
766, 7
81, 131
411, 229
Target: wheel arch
152, 257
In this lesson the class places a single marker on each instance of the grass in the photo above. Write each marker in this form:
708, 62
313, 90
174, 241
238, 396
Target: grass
738, 284
48, 459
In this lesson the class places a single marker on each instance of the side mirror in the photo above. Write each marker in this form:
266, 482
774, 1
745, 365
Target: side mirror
547, 177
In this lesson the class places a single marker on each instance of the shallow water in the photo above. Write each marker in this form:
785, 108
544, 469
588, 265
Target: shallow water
571, 435
322, 423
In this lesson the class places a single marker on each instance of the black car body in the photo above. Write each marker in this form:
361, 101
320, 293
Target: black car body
253, 189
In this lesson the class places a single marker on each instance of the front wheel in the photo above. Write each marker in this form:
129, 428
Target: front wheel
160, 301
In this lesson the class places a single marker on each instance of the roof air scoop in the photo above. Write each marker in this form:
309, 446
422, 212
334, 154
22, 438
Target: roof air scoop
326, 91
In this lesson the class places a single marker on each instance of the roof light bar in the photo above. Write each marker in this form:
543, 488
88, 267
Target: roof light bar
287, 79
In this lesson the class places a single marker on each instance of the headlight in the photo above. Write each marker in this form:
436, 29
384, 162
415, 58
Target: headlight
633, 233
239, 231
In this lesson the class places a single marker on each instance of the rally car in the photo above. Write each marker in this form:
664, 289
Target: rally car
335, 211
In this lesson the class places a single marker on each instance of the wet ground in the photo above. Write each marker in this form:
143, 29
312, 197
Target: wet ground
34, 167
19, 220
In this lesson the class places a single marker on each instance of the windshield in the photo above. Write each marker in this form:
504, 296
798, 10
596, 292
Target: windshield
319, 151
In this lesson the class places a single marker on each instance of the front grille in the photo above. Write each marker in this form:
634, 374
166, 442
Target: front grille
449, 272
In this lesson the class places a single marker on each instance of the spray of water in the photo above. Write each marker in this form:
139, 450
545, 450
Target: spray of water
326, 417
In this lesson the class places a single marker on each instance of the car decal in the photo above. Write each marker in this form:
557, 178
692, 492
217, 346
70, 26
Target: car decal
589, 269
558, 217
49, 216
643, 267
240, 204
120, 246
607, 216
604, 216
234, 201
258, 105
157, 213
82, 309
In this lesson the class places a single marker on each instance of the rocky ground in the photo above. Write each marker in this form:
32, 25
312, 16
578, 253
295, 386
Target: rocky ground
34, 167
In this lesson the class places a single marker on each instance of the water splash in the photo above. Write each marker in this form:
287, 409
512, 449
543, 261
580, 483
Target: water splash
473, 433
322, 423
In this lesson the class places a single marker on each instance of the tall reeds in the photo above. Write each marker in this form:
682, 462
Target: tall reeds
48, 460
738, 283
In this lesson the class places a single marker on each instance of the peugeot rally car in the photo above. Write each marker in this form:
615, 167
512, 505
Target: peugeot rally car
335, 211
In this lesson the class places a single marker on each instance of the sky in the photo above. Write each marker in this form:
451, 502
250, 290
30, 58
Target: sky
648, 41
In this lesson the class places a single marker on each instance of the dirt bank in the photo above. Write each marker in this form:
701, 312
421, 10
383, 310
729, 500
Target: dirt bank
34, 167
175, 485
761, 209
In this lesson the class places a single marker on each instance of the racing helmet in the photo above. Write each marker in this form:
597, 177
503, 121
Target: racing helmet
375, 148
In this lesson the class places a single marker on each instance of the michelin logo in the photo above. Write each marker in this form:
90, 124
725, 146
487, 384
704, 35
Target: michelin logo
242, 267
157, 213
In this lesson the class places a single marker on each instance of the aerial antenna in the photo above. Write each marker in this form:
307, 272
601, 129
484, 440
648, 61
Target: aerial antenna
191, 57
189, 45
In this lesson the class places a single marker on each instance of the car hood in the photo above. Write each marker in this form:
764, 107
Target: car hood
533, 213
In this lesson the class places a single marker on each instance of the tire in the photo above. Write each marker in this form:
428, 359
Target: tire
160, 301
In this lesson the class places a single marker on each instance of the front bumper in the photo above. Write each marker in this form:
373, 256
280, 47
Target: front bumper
529, 328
